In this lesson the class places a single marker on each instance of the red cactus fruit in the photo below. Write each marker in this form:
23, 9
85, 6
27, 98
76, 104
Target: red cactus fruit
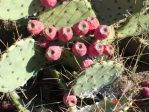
50, 33
145, 83
81, 28
95, 49
79, 49
108, 49
65, 34
146, 92
53, 53
43, 42
93, 24
48, 3
102, 32
70, 100
35, 27
87, 63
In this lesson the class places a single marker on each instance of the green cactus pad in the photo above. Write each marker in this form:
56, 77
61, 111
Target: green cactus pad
19, 63
17, 9
67, 14
135, 25
110, 11
96, 77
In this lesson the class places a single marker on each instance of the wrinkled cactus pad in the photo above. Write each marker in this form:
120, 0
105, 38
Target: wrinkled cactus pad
96, 77
17, 9
67, 14
135, 25
19, 63
110, 11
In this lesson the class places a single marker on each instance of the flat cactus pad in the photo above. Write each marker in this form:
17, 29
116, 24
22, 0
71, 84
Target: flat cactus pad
17, 9
67, 14
96, 77
19, 63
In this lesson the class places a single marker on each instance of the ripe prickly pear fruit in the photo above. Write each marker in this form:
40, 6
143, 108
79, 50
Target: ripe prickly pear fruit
79, 49
53, 53
81, 28
93, 24
65, 34
70, 100
48, 3
35, 27
108, 49
95, 49
146, 92
43, 42
87, 63
50, 33
102, 32
145, 83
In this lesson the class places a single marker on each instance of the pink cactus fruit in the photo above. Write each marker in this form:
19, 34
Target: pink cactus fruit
53, 53
145, 83
146, 92
81, 28
70, 100
87, 63
35, 27
48, 3
79, 49
95, 49
65, 34
93, 24
50, 33
102, 32
43, 42
108, 49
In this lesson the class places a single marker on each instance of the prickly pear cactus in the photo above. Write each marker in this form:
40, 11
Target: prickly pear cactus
19, 63
96, 77
110, 11
67, 14
135, 25
17, 9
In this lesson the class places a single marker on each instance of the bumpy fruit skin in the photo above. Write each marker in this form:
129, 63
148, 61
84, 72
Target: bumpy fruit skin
81, 28
43, 42
53, 53
65, 34
145, 83
70, 100
35, 27
108, 49
93, 24
87, 63
146, 92
102, 32
48, 3
95, 49
79, 49
50, 33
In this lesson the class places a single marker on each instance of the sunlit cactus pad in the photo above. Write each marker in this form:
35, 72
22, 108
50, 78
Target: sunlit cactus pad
135, 25
17, 9
109, 11
19, 63
96, 77
67, 13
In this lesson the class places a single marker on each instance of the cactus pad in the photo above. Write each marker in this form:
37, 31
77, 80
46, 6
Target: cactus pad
96, 77
19, 63
109, 11
17, 9
67, 14
135, 25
